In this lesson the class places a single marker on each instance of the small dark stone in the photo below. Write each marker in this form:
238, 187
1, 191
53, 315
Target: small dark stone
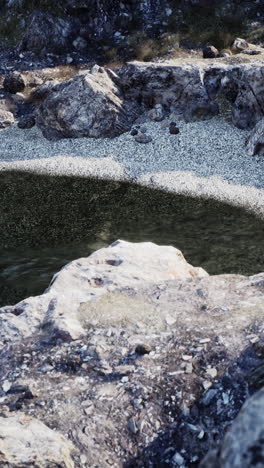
134, 132
143, 348
26, 122
173, 129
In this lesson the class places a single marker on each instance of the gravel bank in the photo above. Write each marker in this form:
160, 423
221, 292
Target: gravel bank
207, 158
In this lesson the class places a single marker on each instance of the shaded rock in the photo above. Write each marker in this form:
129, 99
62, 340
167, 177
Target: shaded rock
143, 138
243, 443
80, 44
27, 121
179, 89
6, 118
89, 105
42, 92
242, 86
248, 107
255, 142
25, 441
173, 129
252, 52
48, 33
143, 348
210, 52
14, 83
239, 45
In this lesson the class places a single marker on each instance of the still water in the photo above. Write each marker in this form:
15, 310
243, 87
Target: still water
45, 222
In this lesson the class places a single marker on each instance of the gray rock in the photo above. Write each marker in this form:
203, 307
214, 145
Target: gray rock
210, 52
6, 118
80, 44
25, 441
248, 107
177, 88
255, 141
143, 348
143, 138
252, 52
89, 105
157, 113
173, 129
48, 33
243, 443
239, 45
193, 90
27, 121
14, 83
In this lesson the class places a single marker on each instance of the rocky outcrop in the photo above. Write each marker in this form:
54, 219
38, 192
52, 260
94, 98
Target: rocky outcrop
243, 443
248, 105
25, 441
89, 105
179, 89
157, 374
122, 265
193, 89
255, 141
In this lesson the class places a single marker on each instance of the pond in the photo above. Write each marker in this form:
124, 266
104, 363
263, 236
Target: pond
47, 221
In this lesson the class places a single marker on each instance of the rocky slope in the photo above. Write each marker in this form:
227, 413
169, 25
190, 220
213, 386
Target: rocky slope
58, 27
137, 357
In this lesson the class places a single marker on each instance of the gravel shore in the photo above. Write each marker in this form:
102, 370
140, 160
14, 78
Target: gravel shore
207, 158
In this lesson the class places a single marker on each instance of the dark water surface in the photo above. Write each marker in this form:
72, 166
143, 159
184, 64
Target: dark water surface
47, 221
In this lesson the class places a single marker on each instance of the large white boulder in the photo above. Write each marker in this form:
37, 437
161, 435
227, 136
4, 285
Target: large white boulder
121, 265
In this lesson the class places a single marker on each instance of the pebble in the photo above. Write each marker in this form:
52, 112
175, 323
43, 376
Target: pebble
132, 425
186, 357
189, 368
178, 459
209, 396
124, 370
206, 384
6, 386
211, 372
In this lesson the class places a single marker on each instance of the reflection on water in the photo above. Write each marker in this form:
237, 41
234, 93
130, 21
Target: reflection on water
46, 222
